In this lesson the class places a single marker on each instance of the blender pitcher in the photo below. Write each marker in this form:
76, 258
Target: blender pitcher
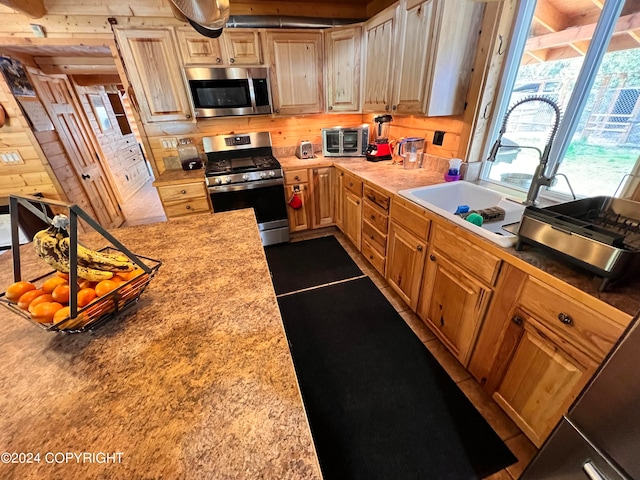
411, 150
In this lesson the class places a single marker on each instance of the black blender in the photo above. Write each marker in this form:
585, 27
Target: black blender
381, 149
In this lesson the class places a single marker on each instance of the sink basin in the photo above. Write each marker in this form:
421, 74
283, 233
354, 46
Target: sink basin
444, 199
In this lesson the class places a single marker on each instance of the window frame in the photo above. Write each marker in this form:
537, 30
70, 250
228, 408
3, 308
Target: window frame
571, 115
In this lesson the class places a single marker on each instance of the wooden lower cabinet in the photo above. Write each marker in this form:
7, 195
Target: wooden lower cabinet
352, 226
405, 262
323, 202
541, 379
183, 199
339, 196
299, 219
453, 304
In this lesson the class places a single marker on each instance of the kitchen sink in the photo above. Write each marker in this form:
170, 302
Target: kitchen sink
445, 198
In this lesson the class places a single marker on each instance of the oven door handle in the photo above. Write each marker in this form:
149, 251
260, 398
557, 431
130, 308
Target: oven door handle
237, 187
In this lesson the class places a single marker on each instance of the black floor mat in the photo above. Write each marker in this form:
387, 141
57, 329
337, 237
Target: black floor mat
380, 406
309, 263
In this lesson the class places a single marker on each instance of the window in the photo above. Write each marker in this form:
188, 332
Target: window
585, 57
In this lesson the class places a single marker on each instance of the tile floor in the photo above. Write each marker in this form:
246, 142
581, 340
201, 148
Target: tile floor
519, 444
143, 207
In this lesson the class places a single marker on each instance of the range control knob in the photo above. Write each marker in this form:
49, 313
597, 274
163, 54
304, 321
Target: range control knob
218, 181
245, 177
227, 179
272, 173
263, 175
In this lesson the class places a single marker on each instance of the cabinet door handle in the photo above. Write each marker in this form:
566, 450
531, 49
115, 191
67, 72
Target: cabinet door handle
373, 217
517, 319
419, 248
394, 108
432, 258
188, 115
330, 107
218, 60
357, 202
85, 176
297, 178
564, 318
183, 192
386, 107
232, 60
188, 207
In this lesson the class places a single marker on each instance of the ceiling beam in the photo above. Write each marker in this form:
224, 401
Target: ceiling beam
579, 34
550, 17
31, 8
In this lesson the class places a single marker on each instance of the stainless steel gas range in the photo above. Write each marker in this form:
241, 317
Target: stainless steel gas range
242, 172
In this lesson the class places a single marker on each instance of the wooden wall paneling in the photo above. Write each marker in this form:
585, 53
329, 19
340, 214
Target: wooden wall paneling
35, 175
488, 67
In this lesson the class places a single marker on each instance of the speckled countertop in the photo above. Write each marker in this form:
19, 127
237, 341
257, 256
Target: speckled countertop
194, 382
172, 177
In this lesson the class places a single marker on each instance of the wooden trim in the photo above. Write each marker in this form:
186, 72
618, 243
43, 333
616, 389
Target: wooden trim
32, 8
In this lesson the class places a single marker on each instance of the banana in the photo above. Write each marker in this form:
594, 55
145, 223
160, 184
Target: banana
52, 244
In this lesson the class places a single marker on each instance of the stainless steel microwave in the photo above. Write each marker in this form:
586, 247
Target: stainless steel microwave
345, 141
221, 92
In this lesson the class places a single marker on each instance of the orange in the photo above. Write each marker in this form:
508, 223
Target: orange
61, 293
15, 290
45, 311
85, 296
49, 285
133, 273
44, 298
26, 298
63, 275
86, 284
106, 286
61, 314
120, 277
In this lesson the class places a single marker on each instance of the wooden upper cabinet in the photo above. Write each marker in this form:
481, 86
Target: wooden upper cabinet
198, 49
296, 63
155, 73
413, 50
379, 38
455, 44
243, 47
233, 47
343, 59
430, 47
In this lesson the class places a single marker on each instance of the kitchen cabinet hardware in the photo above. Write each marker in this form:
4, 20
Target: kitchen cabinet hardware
517, 319
188, 115
330, 107
183, 191
232, 60
394, 108
358, 202
297, 177
218, 60
188, 207
564, 318
85, 176
386, 107
432, 258
277, 110
419, 248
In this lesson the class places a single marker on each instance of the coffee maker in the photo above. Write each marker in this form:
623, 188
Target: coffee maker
381, 149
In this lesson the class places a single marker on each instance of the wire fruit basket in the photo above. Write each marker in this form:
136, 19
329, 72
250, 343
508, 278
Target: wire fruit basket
103, 308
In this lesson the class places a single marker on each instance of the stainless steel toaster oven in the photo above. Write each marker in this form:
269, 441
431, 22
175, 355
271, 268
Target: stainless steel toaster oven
345, 141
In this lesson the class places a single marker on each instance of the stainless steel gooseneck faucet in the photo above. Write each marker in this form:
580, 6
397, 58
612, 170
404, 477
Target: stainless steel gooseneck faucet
540, 177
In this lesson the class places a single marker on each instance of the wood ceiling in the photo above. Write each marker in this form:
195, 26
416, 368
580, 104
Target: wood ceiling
563, 29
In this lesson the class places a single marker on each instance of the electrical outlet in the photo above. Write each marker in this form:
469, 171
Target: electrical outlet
169, 143
11, 158
438, 137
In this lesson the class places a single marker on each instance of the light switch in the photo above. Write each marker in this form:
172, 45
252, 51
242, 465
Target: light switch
11, 158
169, 143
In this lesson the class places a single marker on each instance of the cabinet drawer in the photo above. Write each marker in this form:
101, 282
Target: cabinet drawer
373, 236
186, 207
481, 264
412, 218
353, 184
296, 176
376, 259
172, 193
574, 322
374, 217
379, 198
